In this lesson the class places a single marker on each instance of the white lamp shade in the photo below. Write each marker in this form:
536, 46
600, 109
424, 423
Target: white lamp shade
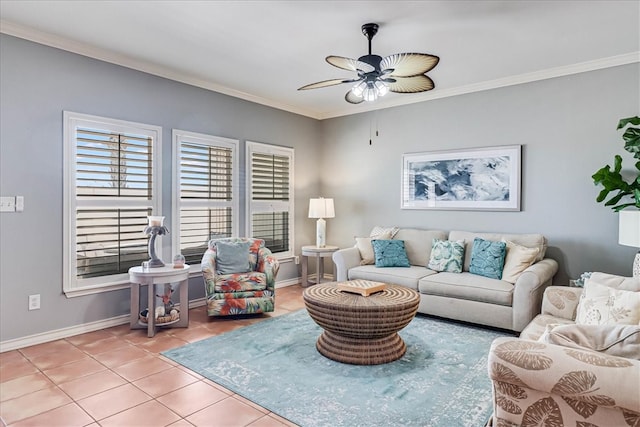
321, 208
629, 231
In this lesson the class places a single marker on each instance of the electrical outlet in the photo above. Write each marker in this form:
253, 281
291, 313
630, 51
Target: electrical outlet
34, 302
296, 259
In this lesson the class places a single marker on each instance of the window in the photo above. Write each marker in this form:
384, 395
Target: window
205, 190
111, 185
270, 196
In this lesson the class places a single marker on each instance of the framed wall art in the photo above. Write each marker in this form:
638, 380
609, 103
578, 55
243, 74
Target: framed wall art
469, 179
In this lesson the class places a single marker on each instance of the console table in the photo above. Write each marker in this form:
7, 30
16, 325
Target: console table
155, 276
319, 254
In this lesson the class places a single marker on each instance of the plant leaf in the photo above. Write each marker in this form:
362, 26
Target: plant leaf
545, 412
524, 354
633, 120
575, 382
503, 374
508, 405
584, 424
598, 360
631, 418
511, 390
583, 409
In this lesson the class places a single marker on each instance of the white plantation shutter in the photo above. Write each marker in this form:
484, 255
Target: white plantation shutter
111, 186
270, 195
206, 191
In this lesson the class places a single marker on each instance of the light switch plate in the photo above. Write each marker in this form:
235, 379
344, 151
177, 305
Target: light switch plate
7, 204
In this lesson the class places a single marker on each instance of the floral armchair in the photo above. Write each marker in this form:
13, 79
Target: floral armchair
248, 290
560, 373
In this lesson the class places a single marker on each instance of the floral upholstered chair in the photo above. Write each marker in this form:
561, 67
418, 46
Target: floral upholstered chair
239, 276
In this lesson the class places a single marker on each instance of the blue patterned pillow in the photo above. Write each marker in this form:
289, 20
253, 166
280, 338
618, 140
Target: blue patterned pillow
390, 253
446, 255
487, 258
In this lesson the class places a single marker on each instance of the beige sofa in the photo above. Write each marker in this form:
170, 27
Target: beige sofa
461, 296
558, 373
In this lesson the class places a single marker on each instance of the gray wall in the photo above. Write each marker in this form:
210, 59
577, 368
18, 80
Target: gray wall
37, 83
566, 127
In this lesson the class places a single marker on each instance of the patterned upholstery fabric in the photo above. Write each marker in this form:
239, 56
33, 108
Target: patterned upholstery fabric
241, 293
535, 383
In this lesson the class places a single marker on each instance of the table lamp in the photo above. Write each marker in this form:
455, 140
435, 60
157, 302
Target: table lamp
154, 229
321, 208
629, 234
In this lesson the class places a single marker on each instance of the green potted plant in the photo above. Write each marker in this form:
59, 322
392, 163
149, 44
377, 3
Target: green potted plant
626, 193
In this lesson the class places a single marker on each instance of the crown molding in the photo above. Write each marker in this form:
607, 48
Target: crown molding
84, 49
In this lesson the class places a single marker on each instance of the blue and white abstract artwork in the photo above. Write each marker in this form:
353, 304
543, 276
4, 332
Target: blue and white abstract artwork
476, 179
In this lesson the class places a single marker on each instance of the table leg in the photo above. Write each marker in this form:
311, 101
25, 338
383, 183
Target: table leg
151, 319
184, 304
305, 271
135, 304
319, 269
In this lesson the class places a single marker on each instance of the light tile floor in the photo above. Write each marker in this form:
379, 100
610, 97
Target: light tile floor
116, 377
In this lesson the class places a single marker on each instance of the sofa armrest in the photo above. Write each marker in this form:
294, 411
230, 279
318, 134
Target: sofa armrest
565, 383
269, 265
345, 259
561, 301
208, 268
528, 291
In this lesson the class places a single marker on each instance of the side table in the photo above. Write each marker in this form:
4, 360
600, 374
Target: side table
151, 277
319, 254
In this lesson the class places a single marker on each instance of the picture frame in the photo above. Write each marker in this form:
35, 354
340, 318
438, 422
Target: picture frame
485, 179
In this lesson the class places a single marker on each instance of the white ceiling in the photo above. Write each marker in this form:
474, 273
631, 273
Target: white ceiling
264, 50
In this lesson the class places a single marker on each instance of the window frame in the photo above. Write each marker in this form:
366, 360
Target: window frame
178, 136
270, 205
71, 285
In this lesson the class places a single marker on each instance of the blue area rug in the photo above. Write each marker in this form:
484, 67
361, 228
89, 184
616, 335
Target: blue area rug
441, 381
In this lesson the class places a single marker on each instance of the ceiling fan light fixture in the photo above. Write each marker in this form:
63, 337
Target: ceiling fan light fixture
370, 93
382, 88
359, 88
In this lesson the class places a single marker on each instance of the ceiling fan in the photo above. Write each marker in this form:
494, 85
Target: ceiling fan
400, 72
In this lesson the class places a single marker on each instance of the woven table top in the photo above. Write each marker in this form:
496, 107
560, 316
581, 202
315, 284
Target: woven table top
393, 297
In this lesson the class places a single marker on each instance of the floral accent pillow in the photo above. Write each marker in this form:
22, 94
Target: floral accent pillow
390, 253
487, 258
602, 305
446, 255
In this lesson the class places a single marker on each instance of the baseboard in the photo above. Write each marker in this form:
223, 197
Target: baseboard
71, 331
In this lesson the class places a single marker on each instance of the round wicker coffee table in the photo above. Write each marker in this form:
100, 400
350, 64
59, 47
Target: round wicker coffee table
361, 330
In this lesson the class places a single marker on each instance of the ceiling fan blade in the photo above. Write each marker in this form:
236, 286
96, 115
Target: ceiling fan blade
352, 99
326, 83
349, 64
409, 64
411, 84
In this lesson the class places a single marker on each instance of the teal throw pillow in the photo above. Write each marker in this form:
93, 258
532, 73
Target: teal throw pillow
232, 257
446, 255
487, 258
390, 253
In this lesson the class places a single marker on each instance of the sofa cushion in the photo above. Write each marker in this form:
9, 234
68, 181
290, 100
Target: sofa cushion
366, 248
397, 275
536, 328
614, 281
527, 240
615, 340
390, 253
517, 259
446, 255
418, 243
378, 230
232, 257
467, 286
252, 281
601, 305
487, 258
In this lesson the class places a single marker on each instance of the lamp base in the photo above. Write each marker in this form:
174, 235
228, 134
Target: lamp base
321, 232
154, 263
636, 266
